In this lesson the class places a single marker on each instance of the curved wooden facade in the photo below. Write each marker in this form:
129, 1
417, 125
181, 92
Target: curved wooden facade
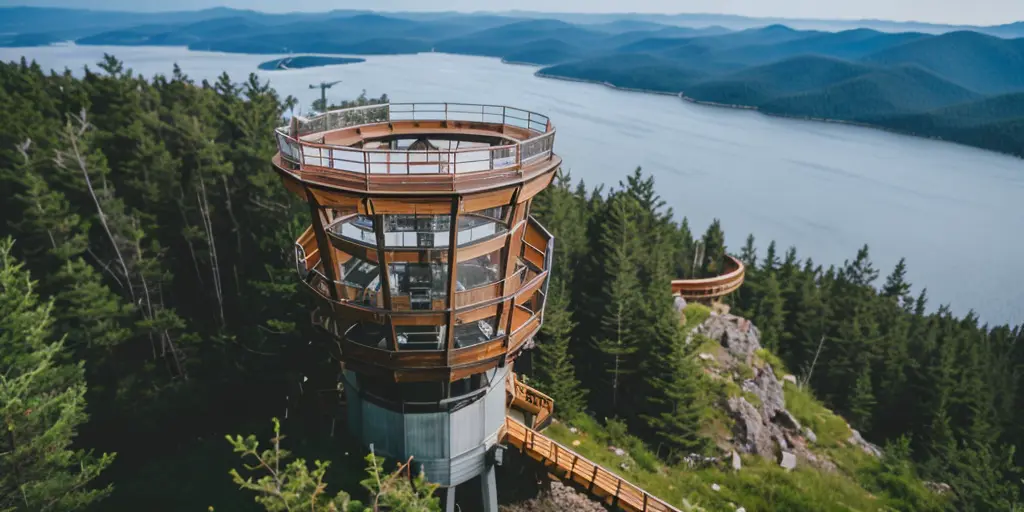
422, 254
713, 287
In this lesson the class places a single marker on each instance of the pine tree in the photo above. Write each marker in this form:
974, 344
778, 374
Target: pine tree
556, 374
682, 408
293, 487
714, 250
862, 403
770, 315
42, 404
748, 255
619, 299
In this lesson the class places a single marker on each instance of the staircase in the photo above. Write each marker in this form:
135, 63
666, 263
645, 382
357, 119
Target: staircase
537, 408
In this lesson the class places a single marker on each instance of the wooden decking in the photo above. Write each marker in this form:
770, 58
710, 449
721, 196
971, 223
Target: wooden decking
571, 466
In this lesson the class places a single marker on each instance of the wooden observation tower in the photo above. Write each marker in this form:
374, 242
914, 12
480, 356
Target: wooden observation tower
427, 268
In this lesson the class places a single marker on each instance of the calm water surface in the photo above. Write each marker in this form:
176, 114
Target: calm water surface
954, 212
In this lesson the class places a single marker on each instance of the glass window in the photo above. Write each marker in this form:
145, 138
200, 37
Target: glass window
419, 231
479, 271
419, 286
482, 224
358, 228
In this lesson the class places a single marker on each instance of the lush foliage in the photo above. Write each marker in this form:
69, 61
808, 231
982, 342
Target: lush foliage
42, 404
147, 210
297, 487
946, 387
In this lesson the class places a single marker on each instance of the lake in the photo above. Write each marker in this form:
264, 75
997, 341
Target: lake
953, 211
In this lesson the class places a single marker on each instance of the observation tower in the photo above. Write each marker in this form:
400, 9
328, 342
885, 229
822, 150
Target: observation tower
428, 270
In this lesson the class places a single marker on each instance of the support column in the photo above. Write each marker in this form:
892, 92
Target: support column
448, 501
489, 489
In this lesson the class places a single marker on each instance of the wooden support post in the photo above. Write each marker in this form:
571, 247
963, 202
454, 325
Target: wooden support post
510, 256
384, 267
453, 264
618, 488
593, 478
323, 243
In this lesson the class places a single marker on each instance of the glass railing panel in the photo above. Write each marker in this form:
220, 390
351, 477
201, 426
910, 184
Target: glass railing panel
475, 333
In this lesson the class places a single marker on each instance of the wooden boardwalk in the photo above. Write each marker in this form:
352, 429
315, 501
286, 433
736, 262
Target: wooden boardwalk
571, 466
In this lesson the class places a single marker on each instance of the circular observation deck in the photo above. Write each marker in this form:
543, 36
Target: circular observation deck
712, 288
422, 254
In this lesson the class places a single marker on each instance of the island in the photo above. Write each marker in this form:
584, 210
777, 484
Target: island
306, 61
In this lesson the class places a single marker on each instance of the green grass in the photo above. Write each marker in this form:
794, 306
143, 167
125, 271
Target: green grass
767, 357
759, 486
830, 429
696, 314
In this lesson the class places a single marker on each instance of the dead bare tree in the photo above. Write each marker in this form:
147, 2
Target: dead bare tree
74, 134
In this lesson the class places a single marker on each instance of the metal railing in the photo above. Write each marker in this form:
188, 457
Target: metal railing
293, 143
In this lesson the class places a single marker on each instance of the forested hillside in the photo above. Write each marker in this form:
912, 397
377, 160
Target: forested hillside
949, 388
148, 213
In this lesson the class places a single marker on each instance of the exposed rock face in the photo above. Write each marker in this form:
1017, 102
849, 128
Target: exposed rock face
769, 390
738, 335
768, 429
752, 434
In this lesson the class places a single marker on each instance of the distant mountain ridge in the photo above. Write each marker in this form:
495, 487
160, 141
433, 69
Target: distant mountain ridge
960, 85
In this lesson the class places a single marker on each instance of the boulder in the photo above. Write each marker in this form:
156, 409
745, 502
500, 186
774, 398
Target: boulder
939, 488
752, 436
810, 435
737, 463
788, 461
768, 389
857, 440
789, 377
706, 357
738, 335
787, 421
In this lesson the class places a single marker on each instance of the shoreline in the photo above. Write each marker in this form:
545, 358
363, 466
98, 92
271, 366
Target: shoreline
735, 106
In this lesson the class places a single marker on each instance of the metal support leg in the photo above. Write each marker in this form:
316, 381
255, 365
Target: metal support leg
490, 489
449, 499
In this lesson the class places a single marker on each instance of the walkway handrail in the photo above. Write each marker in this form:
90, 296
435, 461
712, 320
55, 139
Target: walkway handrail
713, 287
609, 487
292, 143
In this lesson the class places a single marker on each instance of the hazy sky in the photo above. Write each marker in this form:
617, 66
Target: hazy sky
974, 12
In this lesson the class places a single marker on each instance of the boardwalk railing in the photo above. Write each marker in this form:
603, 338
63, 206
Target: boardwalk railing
712, 287
295, 145
569, 465
528, 399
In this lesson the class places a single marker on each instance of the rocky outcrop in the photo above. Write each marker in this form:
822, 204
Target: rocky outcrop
736, 334
751, 433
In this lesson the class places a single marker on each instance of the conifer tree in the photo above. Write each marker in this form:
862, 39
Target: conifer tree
42, 405
619, 300
681, 408
770, 315
862, 403
714, 250
292, 487
556, 374
748, 255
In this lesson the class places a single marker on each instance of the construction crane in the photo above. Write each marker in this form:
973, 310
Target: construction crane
323, 90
